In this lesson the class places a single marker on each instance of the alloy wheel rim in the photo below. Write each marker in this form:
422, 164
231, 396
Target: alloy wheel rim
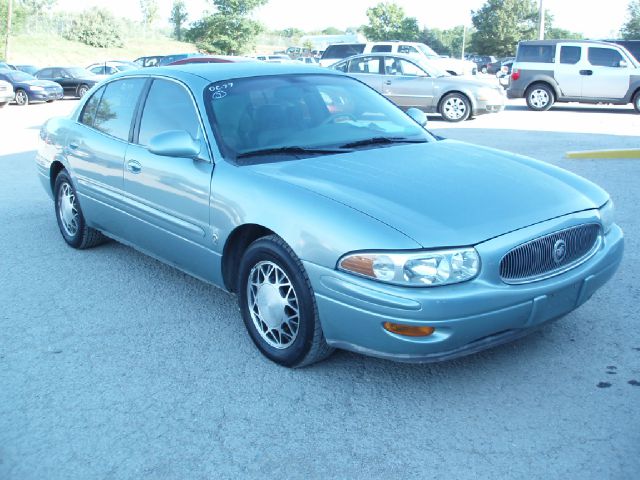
273, 304
21, 98
539, 98
454, 108
82, 91
68, 210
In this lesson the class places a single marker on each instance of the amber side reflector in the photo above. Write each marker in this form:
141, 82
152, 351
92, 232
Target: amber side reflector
408, 330
361, 264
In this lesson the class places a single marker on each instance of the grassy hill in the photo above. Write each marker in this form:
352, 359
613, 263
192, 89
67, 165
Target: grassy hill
43, 50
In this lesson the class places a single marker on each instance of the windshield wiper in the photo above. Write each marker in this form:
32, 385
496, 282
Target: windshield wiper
380, 140
292, 150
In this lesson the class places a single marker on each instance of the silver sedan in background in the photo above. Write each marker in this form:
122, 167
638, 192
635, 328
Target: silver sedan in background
411, 82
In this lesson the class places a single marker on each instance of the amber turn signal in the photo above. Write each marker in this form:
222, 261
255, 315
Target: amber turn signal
408, 330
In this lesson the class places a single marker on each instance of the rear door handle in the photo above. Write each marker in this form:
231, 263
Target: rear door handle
586, 72
134, 166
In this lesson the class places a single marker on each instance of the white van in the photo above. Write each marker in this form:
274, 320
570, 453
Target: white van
548, 71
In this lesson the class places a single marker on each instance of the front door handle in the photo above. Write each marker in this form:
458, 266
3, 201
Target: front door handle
586, 72
134, 166
388, 82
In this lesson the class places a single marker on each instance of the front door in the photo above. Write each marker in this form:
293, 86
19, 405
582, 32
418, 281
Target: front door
406, 84
604, 76
168, 196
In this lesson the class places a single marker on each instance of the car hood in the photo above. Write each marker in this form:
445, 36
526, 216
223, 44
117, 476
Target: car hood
443, 194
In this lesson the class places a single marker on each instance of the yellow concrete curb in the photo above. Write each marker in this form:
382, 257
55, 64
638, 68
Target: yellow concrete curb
628, 153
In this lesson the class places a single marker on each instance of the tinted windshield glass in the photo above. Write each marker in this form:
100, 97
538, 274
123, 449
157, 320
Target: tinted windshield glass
427, 50
306, 111
77, 72
20, 77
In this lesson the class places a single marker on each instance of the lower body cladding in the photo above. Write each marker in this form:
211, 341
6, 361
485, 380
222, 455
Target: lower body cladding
465, 317
490, 106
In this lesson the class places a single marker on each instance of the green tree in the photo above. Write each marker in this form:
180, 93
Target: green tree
447, 42
554, 33
95, 27
229, 30
332, 31
631, 29
387, 21
178, 17
149, 10
501, 24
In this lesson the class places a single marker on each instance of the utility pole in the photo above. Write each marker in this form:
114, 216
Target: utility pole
6, 41
464, 40
541, 21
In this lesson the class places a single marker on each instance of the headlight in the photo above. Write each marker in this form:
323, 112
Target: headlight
606, 216
36, 89
419, 269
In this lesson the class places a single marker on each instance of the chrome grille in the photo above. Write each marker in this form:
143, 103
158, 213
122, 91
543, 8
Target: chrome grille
550, 255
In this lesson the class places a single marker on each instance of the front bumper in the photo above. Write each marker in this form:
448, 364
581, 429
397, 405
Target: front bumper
6, 96
494, 104
467, 317
45, 96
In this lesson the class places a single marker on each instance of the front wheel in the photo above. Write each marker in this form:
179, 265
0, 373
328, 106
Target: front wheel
21, 97
71, 221
540, 97
82, 89
455, 107
278, 306
2, 104
636, 101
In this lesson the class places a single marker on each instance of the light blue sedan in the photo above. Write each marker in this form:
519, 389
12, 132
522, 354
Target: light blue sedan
335, 217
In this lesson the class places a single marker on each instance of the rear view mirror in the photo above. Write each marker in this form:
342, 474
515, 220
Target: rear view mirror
174, 143
418, 116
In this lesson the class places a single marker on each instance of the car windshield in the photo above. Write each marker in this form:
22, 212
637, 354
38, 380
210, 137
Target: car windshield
77, 72
633, 60
15, 76
294, 113
124, 66
428, 52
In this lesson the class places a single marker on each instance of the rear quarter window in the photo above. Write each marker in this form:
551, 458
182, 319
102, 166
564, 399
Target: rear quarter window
536, 53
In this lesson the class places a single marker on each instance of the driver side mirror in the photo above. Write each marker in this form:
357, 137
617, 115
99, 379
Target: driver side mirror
418, 116
622, 64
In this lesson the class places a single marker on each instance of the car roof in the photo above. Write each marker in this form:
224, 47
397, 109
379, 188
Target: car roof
404, 56
555, 42
214, 72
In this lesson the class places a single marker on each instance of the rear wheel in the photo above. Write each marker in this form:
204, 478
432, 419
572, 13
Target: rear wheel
71, 221
455, 107
636, 101
540, 97
2, 104
21, 97
278, 306
82, 89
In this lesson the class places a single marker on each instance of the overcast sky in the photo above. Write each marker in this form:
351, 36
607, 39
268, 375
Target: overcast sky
594, 18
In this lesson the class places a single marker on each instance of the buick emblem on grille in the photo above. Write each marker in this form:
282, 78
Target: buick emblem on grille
559, 251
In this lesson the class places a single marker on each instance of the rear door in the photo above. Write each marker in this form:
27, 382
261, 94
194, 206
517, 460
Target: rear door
406, 84
96, 150
168, 197
570, 61
605, 76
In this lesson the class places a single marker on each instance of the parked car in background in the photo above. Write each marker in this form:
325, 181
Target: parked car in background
410, 81
280, 58
483, 61
151, 61
75, 81
111, 67
337, 219
309, 60
213, 59
548, 71
169, 59
7, 66
495, 67
451, 65
505, 73
30, 69
28, 89
6, 92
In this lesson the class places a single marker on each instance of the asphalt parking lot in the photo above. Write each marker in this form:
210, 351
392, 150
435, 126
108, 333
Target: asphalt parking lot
113, 365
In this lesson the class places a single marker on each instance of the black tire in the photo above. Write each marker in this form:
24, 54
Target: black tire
82, 89
2, 104
22, 98
636, 101
307, 345
540, 97
82, 236
484, 70
455, 107
49, 101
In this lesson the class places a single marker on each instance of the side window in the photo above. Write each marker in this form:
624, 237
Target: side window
381, 49
342, 67
88, 114
407, 49
115, 110
365, 65
61, 73
96, 70
604, 57
45, 73
409, 69
168, 107
570, 55
536, 53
